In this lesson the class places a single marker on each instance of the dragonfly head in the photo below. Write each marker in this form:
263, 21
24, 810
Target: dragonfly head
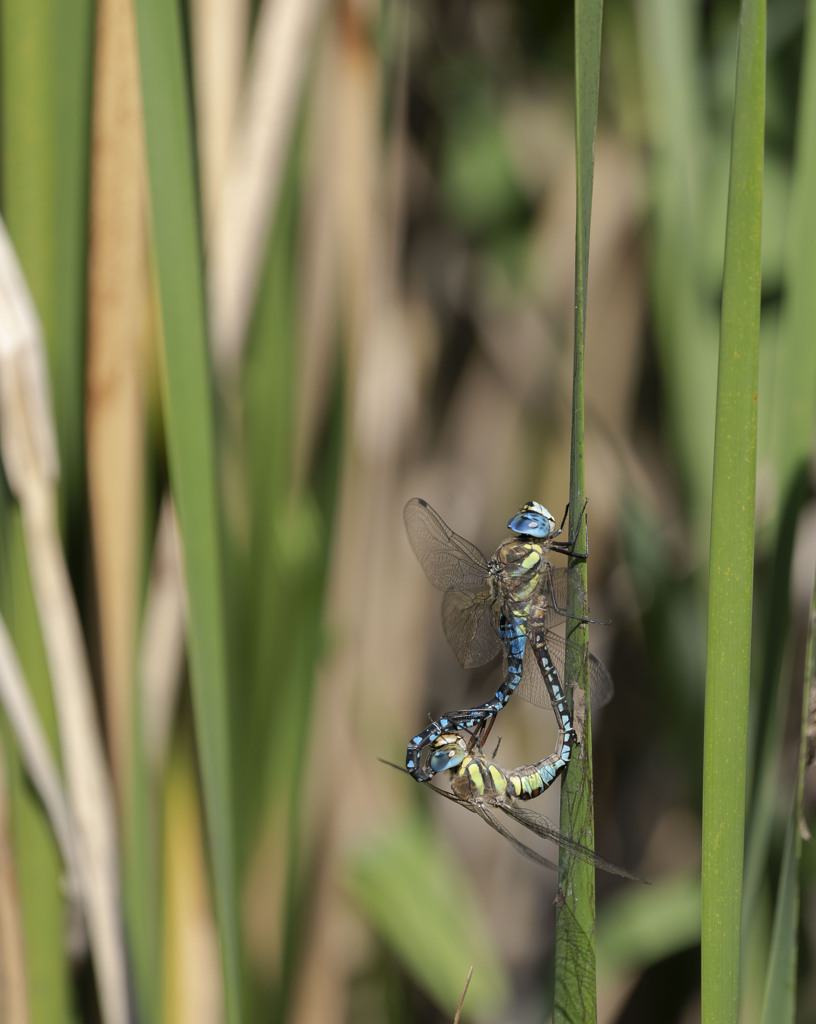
449, 751
533, 520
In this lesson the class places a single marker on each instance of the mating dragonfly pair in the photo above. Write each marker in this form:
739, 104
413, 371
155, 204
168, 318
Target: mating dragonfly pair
509, 603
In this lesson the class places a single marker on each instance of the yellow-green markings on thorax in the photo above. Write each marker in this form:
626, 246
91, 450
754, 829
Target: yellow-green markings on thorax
483, 778
522, 562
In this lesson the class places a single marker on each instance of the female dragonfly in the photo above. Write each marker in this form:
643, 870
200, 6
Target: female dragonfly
483, 787
490, 605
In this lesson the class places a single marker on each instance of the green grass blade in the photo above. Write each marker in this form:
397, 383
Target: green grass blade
770, 704
189, 423
732, 539
575, 994
38, 863
681, 144
45, 122
779, 1005
788, 417
417, 900
793, 403
44, 74
71, 27
642, 926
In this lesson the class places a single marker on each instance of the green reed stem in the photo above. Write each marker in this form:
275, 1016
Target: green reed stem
779, 1003
574, 991
728, 664
190, 429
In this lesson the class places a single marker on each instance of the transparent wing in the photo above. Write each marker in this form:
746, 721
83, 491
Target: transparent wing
494, 823
534, 690
543, 827
551, 598
450, 562
526, 851
538, 825
470, 627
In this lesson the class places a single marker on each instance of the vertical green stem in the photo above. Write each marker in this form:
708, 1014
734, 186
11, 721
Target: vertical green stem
575, 995
189, 416
732, 539
779, 1003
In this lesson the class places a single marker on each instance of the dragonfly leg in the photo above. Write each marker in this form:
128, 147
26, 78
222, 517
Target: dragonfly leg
567, 547
478, 739
556, 610
475, 721
560, 529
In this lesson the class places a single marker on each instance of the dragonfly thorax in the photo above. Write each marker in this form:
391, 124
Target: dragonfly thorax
532, 520
476, 778
515, 572
479, 780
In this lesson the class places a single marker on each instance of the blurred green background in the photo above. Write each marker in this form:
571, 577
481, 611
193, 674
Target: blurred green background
296, 263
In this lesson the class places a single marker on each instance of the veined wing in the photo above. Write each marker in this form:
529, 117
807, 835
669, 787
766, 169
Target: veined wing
538, 825
534, 690
543, 827
491, 820
487, 815
470, 627
450, 562
551, 597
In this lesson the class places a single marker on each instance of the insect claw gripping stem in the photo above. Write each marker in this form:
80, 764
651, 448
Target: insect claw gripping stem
567, 547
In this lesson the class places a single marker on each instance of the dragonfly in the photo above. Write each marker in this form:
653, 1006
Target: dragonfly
542, 688
483, 787
492, 605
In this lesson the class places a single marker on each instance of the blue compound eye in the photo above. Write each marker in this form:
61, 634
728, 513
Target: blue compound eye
533, 524
445, 758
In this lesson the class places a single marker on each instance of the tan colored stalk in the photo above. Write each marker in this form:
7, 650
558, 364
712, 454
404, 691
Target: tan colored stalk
28, 449
162, 646
118, 300
219, 37
280, 57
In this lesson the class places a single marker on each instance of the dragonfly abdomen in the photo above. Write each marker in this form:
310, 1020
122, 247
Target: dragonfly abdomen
529, 782
536, 778
477, 778
513, 633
